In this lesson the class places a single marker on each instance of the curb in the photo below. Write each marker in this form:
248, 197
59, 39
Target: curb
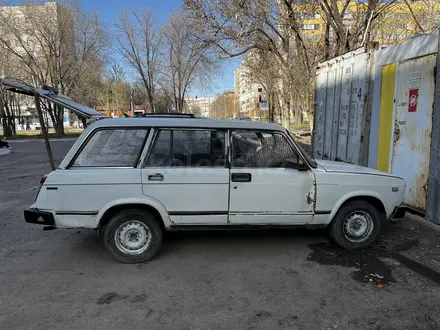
416, 266
423, 221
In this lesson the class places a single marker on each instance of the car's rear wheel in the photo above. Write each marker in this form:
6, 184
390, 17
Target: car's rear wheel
356, 225
133, 236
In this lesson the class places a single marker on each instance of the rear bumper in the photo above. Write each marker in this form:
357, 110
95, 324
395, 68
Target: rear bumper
32, 215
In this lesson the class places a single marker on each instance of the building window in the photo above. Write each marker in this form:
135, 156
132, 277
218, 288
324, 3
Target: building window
308, 16
310, 37
260, 90
309, 26
399, 26
400, 15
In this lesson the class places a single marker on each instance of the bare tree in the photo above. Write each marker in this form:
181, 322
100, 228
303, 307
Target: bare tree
9, 112
194, 109
263, 68
190, 59
140, 44
114, 94
277, 27
270, 26
223, 106
356, 32
88, 89
54, 43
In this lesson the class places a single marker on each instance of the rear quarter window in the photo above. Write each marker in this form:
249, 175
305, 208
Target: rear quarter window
112, 148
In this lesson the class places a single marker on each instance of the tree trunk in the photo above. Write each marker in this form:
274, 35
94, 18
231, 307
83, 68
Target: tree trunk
84, 122
59, 125
271, 107
10, 123
327, 42
285, 117
6, 130
59, 128
151, 101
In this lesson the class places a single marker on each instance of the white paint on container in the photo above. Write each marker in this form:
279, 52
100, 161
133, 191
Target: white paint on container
413, 127
413, 48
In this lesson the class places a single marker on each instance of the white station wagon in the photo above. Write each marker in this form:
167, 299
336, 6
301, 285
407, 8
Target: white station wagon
134, 178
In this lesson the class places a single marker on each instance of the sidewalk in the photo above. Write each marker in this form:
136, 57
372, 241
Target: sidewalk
420, 240
5, 151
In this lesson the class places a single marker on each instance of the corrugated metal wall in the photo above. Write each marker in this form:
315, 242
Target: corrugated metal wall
340, 98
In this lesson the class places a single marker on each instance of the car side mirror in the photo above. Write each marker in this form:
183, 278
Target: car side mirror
302, 166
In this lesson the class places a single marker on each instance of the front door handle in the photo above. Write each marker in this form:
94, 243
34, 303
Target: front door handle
155, 177
241, 177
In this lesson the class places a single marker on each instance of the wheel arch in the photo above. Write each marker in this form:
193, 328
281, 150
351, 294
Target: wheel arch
368, 196
149, 205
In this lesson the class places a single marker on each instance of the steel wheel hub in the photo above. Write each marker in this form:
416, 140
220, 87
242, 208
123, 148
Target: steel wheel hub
133, 237
358, 226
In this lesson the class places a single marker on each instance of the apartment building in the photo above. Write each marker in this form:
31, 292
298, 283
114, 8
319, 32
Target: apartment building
395, 25
202, 103
247, 90
25, 32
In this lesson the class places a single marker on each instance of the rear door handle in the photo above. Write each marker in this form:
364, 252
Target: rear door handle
241, 177
155, 177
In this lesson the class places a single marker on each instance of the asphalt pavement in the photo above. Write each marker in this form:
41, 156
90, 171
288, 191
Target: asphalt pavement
65, 279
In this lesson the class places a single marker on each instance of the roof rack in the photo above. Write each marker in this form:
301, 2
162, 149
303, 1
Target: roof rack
168, 114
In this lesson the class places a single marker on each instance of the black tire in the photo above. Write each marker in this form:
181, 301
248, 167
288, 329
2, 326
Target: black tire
138, 223
339, 228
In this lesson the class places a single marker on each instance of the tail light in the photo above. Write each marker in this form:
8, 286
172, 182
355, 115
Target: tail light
42, 181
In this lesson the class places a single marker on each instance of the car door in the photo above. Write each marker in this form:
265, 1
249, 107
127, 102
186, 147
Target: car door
186, 171
266, 186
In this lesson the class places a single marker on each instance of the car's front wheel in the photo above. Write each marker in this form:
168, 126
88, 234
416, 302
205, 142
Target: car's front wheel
356, 225
133, 236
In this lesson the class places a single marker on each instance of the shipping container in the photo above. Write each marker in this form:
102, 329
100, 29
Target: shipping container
381, 108
402, 115
341, 108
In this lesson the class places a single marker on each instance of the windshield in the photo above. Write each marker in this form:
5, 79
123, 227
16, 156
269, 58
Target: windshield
309, 158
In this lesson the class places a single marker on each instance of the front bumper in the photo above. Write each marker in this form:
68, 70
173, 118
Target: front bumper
399, 211
32, 215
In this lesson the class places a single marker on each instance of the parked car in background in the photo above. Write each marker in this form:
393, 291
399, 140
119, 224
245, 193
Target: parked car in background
134, 178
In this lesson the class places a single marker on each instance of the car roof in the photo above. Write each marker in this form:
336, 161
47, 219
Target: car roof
185, 122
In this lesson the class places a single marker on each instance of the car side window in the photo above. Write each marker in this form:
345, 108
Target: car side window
174, 148
262, 149
112, 148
